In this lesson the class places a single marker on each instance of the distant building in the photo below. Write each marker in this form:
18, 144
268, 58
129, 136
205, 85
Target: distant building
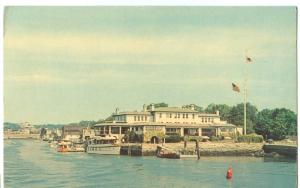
155, 123
88, 133
71, 132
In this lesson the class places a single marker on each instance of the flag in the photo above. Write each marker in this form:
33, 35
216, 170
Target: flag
235, 88
248, 59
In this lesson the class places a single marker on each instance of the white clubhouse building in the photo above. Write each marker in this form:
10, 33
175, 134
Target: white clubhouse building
155, 123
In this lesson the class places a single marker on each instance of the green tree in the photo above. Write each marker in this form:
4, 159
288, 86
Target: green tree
277, 123
157, 105
236, 116
223, 109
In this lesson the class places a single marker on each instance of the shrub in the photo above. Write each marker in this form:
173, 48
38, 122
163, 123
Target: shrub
172, 139
214, 138
194, 138
250, 138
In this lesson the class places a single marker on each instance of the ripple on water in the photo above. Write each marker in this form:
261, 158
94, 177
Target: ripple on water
34, 164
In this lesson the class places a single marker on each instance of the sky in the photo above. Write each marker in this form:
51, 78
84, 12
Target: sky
67, 64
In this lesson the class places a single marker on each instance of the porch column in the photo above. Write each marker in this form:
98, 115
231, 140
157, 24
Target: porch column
181, 131
217, 131
109, 129
200, 131
120, 130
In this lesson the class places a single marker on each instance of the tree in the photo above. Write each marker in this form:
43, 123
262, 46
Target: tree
223, 109
277, 123
236, 116
157, 105
196, 107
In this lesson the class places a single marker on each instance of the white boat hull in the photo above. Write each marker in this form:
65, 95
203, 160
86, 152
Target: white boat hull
103, 149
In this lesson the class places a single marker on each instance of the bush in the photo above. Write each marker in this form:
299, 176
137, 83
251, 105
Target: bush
194, 138
172, 139
250, 138
214, 138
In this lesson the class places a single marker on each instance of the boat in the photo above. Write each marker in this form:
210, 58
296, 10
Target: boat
105, 145
53, 144
163, 152
186, 154
68, 146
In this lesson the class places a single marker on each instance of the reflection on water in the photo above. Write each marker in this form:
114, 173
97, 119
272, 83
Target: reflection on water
29, 163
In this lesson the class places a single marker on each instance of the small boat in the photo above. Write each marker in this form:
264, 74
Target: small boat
163, 152
53, 144
185, 154
106, 145
67, 146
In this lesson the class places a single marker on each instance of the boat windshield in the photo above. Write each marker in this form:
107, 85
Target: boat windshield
104, 141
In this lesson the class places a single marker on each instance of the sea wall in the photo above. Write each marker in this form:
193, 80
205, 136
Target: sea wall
206, 149
281, 149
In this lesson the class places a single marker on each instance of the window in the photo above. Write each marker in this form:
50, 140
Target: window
134, 118
145, 118
202, 120
115, 130
183, 116
212, 120
170, 115
142, 118
187, 115
139, 118
205, 120
178, 115
193, 116
208, 119
124, 130
106, 130
160, 115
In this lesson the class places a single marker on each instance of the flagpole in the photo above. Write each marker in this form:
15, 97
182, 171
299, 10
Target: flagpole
245, 106
245, 96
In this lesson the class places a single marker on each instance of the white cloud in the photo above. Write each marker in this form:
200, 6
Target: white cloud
203, 44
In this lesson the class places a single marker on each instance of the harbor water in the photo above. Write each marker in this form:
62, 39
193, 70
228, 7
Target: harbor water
32, 163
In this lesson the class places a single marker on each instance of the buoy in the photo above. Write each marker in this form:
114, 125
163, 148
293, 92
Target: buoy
229, 173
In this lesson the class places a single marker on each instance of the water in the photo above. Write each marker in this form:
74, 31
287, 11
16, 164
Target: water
29, 163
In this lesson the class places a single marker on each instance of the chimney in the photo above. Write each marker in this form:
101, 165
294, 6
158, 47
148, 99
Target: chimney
192, 107
144, 108
117, 110
152, 107
217, 112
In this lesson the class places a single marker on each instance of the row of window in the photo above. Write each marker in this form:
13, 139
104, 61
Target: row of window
120, 118
140, 118
186, 116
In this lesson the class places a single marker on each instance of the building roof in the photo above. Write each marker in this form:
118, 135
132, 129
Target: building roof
132, 113
181, 110
164, 124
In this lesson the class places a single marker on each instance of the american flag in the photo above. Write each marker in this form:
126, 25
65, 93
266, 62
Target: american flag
248, 59
235, 88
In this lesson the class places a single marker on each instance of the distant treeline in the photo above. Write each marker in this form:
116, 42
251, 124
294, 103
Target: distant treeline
15, 126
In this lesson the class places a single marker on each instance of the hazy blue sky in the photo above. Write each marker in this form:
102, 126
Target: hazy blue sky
66, 64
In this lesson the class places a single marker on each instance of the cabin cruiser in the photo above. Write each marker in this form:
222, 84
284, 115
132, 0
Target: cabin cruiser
105, 145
